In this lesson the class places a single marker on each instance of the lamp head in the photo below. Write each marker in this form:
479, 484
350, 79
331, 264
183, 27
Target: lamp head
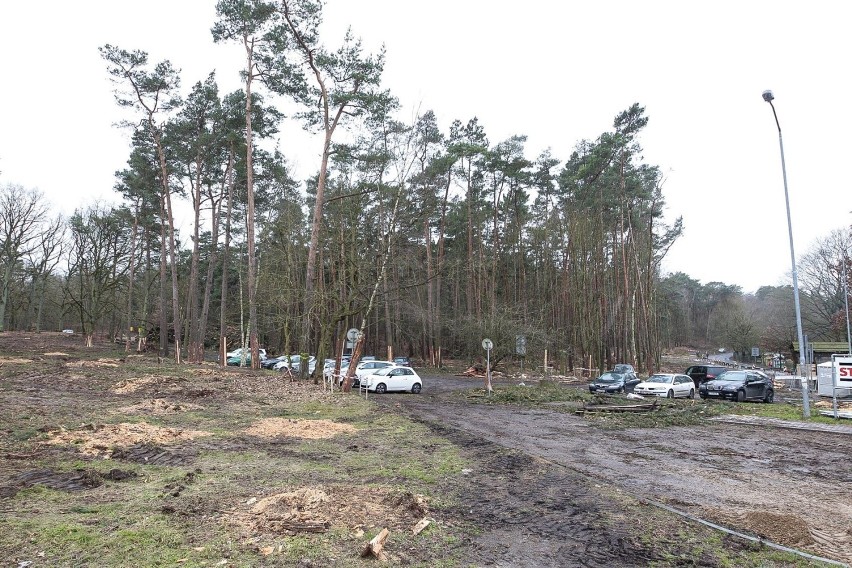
767, 96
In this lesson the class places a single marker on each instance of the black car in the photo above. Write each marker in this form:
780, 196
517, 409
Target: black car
611, 382
703, 373
625, 369
270, 362
739, 385
404, 361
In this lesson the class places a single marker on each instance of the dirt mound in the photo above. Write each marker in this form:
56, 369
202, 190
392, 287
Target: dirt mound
152, 454
77, 480
102, 439
126, 386
786, 529
310, 429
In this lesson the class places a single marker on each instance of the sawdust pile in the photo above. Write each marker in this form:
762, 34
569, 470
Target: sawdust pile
310, 429
96, 363
14, 361
841, 404
159, 407
317, 509
202, 372
132, 385
102, 439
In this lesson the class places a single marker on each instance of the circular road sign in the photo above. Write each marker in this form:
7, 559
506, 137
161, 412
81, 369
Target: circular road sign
487, 344
352, 334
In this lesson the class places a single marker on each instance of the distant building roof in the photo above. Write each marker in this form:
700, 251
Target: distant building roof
825, 346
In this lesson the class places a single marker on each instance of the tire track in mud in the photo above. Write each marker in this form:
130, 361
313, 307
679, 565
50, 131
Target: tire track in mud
536, 514
707, 470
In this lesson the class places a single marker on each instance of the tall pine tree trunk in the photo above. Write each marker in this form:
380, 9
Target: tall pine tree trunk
223, 305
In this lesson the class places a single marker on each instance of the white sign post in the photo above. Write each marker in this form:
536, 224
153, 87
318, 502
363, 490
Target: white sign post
351, 338
488, 345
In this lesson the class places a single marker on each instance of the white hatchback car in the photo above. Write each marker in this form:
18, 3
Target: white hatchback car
393, 379
365, 368
669, 385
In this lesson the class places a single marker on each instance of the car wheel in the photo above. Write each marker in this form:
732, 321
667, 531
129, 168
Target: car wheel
670, 394
770, 396
381, 388
692, 393
740, 395
620, 391
415, 388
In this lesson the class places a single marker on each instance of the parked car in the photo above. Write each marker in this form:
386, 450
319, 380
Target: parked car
363, 369
270, 362
294, 363
239, 351
328, 371
703, 373
669, 385
393, 379
611, 382
739, 386
626, 370
404, 361
237, 361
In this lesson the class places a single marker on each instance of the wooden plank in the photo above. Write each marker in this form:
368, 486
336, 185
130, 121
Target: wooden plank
375, 546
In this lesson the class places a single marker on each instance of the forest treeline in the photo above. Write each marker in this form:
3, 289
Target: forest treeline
426, 240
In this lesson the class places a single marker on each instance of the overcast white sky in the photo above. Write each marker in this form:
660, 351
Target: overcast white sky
557, 72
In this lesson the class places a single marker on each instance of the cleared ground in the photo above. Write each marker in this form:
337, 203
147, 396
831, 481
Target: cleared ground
114, 460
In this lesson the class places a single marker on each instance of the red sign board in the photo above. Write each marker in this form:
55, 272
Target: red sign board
844, 371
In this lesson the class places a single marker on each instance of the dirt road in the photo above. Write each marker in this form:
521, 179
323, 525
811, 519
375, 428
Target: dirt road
790, 486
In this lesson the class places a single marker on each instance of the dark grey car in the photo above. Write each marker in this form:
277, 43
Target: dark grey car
612, 382
740, 386
703, 373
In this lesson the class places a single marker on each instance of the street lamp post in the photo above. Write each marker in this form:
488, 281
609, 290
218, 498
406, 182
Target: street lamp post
846, 304
806, 406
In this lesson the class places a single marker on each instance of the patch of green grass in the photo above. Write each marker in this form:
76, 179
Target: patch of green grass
783, 411
24, 434
408, 451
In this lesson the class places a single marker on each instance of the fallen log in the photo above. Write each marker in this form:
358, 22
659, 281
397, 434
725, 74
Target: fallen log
619, 408
474, 371
292, 526
375, 546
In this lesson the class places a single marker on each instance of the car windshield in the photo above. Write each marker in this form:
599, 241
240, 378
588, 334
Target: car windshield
609, 378
660, 379
384, 371
732, 376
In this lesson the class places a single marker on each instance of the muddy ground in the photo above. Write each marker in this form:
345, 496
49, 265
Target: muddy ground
792, 486
542, 487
